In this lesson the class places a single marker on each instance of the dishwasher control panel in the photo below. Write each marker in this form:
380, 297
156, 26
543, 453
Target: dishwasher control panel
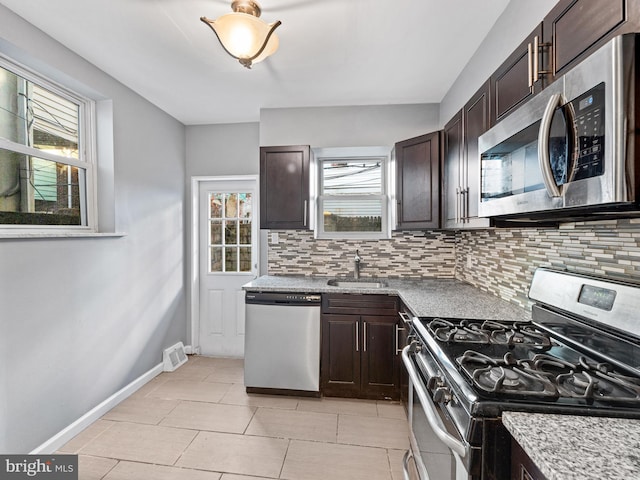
280, 298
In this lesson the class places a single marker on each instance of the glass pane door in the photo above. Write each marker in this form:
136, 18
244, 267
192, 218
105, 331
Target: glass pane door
230, 221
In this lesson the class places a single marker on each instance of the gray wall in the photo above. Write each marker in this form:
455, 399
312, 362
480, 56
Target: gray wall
346, 126
218, 150
225, 149
356, 126
517, 21
82, 318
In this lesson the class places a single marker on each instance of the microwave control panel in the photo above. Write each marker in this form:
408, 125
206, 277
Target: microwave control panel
589, 113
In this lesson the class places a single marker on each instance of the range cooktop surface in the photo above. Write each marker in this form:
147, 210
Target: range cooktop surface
523, 361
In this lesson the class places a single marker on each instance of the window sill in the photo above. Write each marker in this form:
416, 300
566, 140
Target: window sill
52, 235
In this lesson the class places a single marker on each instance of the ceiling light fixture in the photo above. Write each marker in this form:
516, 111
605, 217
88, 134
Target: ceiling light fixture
243, 35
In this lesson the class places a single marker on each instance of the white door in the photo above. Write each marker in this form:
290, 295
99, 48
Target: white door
228, 258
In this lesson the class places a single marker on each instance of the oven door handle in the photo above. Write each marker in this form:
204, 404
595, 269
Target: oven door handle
430, 409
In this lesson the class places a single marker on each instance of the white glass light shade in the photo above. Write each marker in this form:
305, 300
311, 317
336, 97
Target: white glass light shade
243, 36
272, 46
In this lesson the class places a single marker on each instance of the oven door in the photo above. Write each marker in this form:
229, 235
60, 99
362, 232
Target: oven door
437, 449
515, 177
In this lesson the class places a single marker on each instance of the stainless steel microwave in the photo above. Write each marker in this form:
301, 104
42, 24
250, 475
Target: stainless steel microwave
571, 148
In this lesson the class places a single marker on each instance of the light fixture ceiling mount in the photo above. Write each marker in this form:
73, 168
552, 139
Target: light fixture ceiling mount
246, 6
243, 35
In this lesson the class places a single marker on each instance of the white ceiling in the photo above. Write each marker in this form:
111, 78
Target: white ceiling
332, 52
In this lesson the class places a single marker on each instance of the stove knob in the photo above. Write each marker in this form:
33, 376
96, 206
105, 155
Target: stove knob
442, 395
434, 383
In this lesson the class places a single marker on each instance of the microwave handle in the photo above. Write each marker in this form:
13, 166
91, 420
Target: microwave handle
429, 408
543, 146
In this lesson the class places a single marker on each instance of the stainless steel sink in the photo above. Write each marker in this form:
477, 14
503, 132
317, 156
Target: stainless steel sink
353, 283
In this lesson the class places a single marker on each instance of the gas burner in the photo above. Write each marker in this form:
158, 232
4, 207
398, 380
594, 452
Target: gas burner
505, 375
545, 362
594, 384
519, 334
446, 331
544, 375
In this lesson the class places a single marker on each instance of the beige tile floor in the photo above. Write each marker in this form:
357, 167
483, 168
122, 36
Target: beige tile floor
197, 423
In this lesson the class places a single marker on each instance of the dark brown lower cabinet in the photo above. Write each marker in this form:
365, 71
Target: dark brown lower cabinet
522, 467
359, 352
379, 367
340, 364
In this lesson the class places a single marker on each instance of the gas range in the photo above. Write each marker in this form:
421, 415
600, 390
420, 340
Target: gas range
524, 363
579, 354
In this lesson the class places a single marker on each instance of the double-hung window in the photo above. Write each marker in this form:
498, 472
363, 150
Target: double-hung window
352, 199
46, 155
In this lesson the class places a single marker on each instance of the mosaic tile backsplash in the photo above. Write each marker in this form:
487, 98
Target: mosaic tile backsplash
405, 255
500, 261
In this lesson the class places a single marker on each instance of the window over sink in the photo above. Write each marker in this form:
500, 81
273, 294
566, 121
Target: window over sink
353, 192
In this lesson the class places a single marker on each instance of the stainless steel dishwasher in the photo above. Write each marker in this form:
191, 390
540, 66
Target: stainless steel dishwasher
282, 343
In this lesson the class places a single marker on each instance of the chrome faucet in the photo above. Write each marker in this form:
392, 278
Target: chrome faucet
357, 261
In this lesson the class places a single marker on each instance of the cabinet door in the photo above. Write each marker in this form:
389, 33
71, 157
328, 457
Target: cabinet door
476, 120
522, 467
380, 362
284, 187
418, 182
340, 360
356, 304
576, 27
510, 86
452, 162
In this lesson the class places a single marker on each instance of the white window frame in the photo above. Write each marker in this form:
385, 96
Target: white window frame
381, 154
86, 154
254, 234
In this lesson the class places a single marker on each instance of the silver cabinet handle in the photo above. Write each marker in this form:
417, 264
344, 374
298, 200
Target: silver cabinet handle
543, 146
364, 336
457, 204
536, 54
536, 58
398, 330
405, 317
357, 337
530, 66
465, 204
304, 219
430, 410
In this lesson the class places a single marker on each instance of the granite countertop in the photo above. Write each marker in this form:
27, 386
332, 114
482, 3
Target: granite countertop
568, 447
430, 297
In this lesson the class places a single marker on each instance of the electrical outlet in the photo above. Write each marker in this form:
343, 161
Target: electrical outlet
275, 239
469, 264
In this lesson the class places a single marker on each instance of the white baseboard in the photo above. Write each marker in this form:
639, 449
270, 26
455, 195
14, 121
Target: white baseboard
62, 437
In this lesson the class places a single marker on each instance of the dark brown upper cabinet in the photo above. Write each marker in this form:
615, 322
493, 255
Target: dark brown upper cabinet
452, 158
571, 31
461, 161
513, 83
575, 28
476, 120
284, 187
418, 182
